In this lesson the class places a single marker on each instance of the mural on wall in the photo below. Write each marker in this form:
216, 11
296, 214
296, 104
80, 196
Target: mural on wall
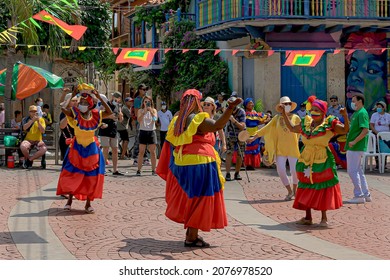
366, 70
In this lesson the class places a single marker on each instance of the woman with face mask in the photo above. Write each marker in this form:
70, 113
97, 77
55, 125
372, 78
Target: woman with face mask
281, 145
318, 186
39, 104
82, 173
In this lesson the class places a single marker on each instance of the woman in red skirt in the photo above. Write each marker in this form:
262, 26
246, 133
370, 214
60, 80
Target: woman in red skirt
318, 186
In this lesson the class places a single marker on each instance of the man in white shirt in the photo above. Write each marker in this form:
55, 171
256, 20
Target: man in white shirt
2, 115
164, 118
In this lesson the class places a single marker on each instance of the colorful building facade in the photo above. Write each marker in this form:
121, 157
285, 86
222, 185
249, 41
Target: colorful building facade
353, 34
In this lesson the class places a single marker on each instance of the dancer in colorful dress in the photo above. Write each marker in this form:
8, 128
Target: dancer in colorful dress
318, 186
191, 168
253, 119
82, 174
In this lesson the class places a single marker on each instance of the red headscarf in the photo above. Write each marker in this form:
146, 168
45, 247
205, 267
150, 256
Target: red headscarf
312, 101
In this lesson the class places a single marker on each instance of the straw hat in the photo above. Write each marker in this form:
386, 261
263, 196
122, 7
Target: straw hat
209, 100
286, 99
382, 103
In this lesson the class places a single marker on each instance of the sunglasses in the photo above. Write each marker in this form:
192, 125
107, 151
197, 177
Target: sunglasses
333, 100
287, 103
206, 104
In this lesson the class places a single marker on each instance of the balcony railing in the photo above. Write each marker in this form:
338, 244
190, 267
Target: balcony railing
211, 12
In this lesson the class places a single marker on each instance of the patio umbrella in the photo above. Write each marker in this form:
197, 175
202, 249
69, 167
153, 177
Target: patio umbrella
28, 80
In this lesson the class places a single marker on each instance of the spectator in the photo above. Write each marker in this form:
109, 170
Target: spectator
123, 126
108, 132
147, 118
16, 122
139, 95
220, 103
34, 127
2, 115
67, 132
302, 111
334, 108
164, 118
357, 141
46, 115
233, 127
39, 104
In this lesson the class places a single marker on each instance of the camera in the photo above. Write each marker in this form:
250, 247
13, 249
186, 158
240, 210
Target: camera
148, 104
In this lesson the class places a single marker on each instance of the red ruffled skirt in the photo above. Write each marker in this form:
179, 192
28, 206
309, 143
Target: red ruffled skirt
322, 199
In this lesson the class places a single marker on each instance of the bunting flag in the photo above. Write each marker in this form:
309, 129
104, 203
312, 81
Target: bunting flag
139, 56
75, 31
303, 58
217, 52
200, 51
185, 50
270, 52
115, 50
336, 51
167, 50
234, 52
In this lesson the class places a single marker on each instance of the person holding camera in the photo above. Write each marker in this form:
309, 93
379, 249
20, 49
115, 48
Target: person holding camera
33, 128
147, 118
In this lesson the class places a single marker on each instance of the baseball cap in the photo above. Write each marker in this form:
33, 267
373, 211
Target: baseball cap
116, 94
382, 103
163, 103
334, 97
32, 108
234, 93
128, 99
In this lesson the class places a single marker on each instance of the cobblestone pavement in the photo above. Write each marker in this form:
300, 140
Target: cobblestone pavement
130, 223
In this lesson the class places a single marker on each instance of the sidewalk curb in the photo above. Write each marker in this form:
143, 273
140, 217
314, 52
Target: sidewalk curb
239, 209
29, 226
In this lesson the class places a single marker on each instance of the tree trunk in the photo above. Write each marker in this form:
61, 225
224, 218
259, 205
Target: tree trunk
8, 85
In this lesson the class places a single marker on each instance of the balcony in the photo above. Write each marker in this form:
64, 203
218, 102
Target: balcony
288, 16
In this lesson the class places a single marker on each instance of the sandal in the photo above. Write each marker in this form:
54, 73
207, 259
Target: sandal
323, 224
304, 221
289, 197
67, 207
196, 243
89, 210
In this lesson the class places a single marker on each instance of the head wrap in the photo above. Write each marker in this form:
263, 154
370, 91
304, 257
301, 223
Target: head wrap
193, 92
247, 101
312, 101
190, 101
86, 93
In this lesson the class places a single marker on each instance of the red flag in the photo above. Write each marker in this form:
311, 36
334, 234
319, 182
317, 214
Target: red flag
234, 52
115, 50
383, 50
351, 51
303, 58
75, 31
200, 51
141, 57
217, 52
336, 51
270, 52
185, 50
252, 51
167, 50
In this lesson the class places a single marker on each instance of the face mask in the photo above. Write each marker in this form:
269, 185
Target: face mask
83, 108
287, 108
40, 103
114, 103
353, 106
163, 107
379, 110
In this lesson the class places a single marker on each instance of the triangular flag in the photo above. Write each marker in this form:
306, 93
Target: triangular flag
66, 47
200, 51
351, 51
383, 50
167, 50
303, 58
75, 31
217, 52
115, 50
366, 50
82, 48
271, 52
185, 50
252, 51
234, 52
142, 57
336, 51
30, 46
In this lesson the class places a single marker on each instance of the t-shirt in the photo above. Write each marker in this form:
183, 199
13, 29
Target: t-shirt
359, 121
34, 134
67, 132
381, 122
15, 124
126, 116
2, 118
335, 111
138, 102
111, 129
301, 113
165, 119
232, 129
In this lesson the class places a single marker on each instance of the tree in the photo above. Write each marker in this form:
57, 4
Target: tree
16, 12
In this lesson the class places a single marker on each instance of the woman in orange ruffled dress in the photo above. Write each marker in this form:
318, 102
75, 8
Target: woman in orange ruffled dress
82, 174
318, 186
191, 168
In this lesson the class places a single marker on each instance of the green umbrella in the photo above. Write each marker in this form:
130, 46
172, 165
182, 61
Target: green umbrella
28, 80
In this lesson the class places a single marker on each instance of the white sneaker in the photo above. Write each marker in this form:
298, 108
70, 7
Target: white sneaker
368, 198
357, 200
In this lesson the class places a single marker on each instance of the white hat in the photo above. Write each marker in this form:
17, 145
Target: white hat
67, 99
209, 100
234, 93
286, 99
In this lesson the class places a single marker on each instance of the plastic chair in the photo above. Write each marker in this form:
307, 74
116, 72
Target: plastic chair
371, 151
382, 163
